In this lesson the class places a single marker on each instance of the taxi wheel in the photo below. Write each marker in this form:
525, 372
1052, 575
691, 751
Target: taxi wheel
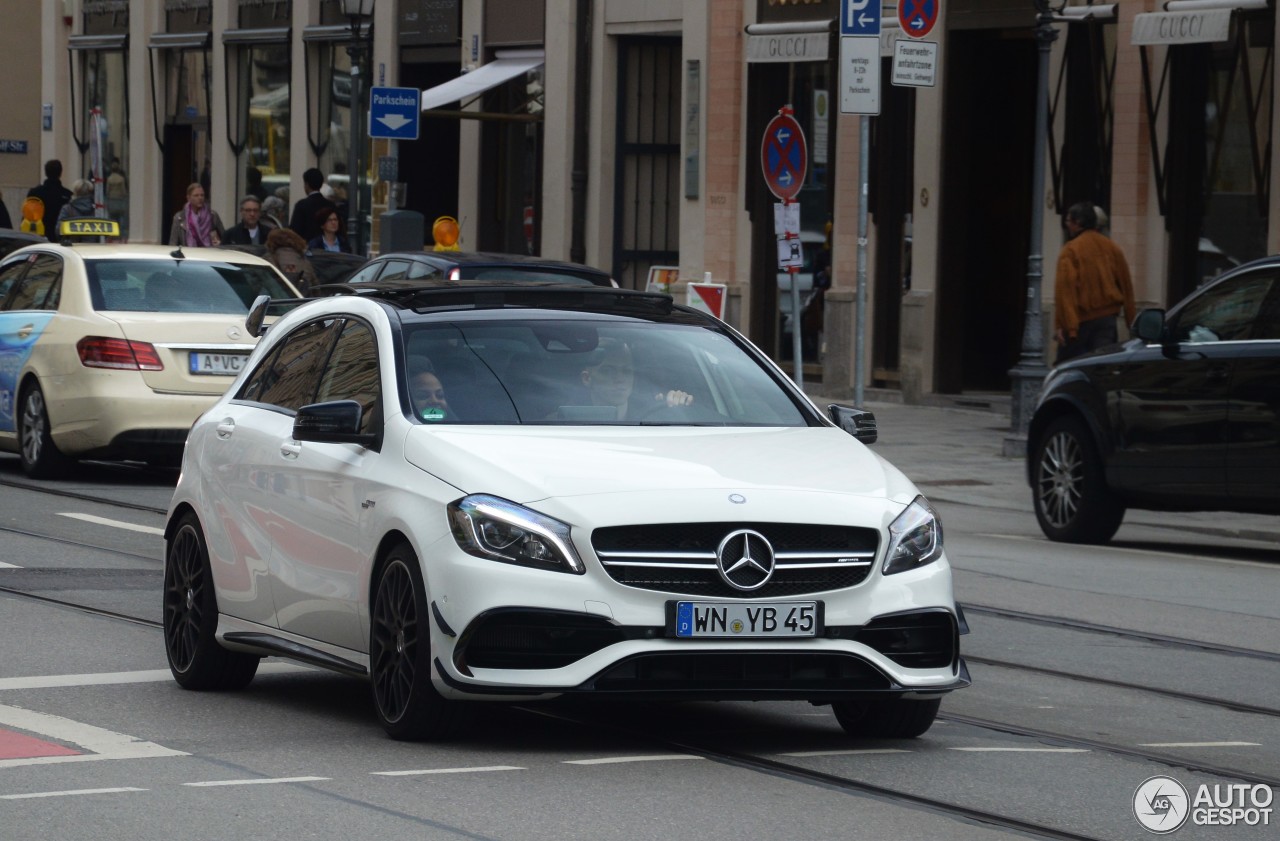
886, 718
41, 458
196, 658
408, 706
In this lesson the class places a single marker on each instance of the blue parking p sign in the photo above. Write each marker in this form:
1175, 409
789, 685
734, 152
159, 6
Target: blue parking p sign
394, 113
859, 17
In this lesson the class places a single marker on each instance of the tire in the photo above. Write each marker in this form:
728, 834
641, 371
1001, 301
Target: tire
1072, 501
886, 718
41, 458
408, 706
196, 658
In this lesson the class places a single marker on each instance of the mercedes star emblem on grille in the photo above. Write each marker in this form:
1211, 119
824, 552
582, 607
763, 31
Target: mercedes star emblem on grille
745, 560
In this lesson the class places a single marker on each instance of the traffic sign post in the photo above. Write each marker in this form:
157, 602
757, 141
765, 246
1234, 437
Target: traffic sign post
784, 157
860, 75
394, 113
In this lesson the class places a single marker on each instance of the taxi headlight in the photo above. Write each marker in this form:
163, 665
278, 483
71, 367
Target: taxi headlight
915, 538
499, 530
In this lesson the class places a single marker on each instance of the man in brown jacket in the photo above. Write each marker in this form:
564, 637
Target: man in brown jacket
1092, 287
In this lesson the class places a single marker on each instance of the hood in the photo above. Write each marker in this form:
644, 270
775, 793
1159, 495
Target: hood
528, 464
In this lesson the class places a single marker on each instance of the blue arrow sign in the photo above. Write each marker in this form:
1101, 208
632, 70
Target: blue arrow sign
859, 17
394, 113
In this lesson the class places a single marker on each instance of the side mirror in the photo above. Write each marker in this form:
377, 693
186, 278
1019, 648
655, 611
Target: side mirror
1149, 326
859, 423
337, 422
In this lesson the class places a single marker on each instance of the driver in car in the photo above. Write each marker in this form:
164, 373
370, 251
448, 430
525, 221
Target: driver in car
611, 378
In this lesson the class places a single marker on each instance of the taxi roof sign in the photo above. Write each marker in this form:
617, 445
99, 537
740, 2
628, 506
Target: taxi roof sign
89, 228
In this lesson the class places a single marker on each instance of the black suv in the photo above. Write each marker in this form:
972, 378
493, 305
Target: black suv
1185, 416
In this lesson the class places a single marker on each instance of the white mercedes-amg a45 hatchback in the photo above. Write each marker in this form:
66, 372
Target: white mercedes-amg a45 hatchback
488, 493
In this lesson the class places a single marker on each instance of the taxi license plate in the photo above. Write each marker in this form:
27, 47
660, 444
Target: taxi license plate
717, 619
218, 364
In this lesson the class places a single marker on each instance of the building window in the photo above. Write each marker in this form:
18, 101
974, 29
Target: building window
104, 141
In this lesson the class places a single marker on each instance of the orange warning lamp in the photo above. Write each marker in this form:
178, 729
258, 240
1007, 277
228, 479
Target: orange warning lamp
445, 232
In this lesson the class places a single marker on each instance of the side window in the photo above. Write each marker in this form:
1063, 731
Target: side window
8, 279
395, 270
366, 274
42, 286
1268, 324
419, 270
353, 374
1226, 311
288, 377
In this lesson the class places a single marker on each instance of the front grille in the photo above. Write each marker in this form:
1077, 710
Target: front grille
680, 558
747, 673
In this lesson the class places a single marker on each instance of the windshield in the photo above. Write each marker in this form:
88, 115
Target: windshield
575, 372
180, 286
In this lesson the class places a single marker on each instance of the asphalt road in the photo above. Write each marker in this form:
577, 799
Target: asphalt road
1095, 668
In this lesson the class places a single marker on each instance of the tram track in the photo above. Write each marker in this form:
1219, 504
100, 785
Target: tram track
82, 496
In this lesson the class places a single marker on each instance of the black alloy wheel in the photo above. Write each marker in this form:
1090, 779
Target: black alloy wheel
40, 457
196, 658
408, 706
1072, 501
886, 718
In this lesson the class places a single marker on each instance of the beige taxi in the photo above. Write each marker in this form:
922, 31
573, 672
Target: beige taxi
112, 351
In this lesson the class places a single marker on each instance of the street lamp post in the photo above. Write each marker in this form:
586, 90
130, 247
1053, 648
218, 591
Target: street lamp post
356, 11
1030, 371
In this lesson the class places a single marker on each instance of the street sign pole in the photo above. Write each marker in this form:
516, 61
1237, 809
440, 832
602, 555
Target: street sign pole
784, 159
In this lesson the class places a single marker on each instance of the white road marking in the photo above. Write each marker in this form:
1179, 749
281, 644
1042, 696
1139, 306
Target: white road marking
1200, 745
3, 565
845, 752
113, 678
69, 793
257, 782
610, 760
115, 524
1155, 553
1023, 750
99, 743
475, 770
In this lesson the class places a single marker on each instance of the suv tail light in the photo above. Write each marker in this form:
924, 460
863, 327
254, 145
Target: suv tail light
102, 352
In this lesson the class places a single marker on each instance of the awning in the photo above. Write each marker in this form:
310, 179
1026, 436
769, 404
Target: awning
265, 35
181, 40
803, 40
506, 66
1189, 21
98, 42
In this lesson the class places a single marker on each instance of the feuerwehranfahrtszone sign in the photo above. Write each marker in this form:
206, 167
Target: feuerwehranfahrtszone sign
917, 17
915, 64
394, 113
784, 157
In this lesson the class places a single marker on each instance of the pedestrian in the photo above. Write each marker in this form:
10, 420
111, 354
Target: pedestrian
303, 219
196, 224
275, 210
253, 183
117, 194
1092, 287
81, 204
5, 221
54, 196
288, 253
252, 228
330, 238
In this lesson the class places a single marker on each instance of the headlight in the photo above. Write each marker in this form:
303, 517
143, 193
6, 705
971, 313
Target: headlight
497, 530
915, 538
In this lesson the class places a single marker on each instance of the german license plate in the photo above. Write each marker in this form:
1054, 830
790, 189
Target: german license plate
221, 364
717, 619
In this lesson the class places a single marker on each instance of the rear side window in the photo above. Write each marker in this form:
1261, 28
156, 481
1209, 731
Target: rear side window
42, 286
180, 286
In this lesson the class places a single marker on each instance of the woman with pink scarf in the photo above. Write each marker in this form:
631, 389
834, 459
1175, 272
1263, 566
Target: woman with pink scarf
196, 223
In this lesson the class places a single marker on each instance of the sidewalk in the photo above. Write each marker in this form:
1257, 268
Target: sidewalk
952, 448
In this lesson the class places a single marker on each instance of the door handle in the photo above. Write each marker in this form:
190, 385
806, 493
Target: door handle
25, 330
291, 449
225, 427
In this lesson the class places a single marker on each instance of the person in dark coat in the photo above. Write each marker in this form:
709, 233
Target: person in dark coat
303, 219
253, 229
54, 196
5, 221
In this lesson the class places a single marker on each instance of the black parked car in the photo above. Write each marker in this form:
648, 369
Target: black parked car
1185, 416
330, 266
12, 239
475, 265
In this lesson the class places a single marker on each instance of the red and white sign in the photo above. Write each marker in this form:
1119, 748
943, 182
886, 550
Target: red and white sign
917, 17
707, 297
784, 157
